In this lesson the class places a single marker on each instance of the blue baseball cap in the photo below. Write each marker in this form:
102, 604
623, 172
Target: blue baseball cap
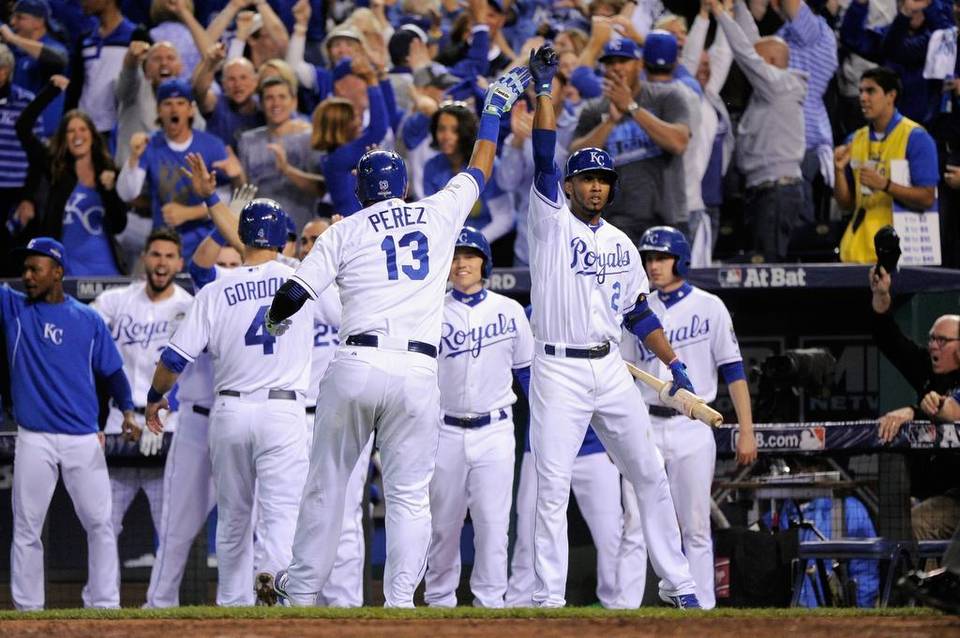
621, 48
36, 8
660, 50
174, 88
46, 246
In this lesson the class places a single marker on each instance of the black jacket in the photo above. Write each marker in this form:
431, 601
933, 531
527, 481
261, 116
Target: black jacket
49, 222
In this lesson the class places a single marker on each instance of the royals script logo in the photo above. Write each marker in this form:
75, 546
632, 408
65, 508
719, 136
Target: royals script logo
455, 342
599, 264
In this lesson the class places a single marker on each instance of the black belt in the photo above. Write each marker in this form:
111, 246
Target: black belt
199, 409
662, 411
472, 422
142, 411
311, 409
372, 341
288, 395
596, 352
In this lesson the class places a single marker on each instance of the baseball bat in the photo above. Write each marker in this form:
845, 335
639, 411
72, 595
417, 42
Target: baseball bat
686, 402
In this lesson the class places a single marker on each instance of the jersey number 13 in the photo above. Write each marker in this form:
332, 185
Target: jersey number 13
420, 248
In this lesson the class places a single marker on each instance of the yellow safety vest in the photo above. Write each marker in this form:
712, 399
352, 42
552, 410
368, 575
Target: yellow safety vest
875, 209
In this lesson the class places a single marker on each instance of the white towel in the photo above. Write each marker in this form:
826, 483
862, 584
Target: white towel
941, 54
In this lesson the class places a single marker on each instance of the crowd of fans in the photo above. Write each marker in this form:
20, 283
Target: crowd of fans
766, 130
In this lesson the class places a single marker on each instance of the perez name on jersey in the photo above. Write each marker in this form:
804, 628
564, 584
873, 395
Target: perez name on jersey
396, 217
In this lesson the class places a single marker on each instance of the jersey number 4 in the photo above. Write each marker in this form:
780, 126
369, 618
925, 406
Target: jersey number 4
257, 334
420, 254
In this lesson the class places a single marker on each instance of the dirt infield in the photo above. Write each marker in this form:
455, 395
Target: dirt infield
700, 625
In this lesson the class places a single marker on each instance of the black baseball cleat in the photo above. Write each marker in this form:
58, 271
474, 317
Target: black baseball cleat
939, 589
266, 594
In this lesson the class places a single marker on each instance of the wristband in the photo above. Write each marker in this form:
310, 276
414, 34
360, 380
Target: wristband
216, 236
153, 396
489, 128
213, 200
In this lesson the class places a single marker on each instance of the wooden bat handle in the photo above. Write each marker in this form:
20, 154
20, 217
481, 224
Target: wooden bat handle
694, 405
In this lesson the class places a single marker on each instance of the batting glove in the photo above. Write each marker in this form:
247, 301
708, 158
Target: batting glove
150, 443
543, 66
680, 378
506, 90
276, 328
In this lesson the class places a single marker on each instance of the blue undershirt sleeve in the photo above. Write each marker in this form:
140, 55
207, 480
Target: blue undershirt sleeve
119, 388
733, 371
173, 361
522, 376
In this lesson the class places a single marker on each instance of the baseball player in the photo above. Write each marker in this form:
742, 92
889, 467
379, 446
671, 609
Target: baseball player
699, 328
483, 337
391, 261
596, 486
55, 346
587, 281
141, 318
256, 425
188, 489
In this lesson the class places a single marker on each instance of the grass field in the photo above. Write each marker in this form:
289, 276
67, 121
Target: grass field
467, 622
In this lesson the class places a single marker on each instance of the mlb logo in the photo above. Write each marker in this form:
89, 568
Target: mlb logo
813, 438
261, 233
384, 185
730, 277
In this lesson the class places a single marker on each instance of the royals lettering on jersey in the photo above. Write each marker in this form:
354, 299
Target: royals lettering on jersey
493, 332
382, 260
141, 329
583, 278
396, 217
229, 325
588, 262
699, 328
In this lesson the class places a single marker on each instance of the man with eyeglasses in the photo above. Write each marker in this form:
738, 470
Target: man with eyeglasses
933, 372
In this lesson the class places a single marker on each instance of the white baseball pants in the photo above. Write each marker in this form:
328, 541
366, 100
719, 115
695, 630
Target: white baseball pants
474, 470
690, 453
255, 441
565, 395
80, 459
596, 486
189, 498
396, 393
125, 482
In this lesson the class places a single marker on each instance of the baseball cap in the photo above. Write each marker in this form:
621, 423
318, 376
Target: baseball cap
342, 32
174, 88
399, 46
46, 246
37, 8
621, 48
660, 49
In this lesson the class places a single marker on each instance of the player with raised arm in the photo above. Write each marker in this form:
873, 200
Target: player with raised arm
699, 327
391, 261
586, 282
256, 425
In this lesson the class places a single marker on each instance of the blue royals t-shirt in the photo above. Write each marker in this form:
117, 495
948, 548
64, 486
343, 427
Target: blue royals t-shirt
54, 351
84, 237
168, 184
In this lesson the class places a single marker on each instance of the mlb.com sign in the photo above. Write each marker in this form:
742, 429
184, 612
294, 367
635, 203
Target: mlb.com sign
763, 277
787, 439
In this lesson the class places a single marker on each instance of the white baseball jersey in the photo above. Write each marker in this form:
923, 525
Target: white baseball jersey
698, 326
388, 253
326, 338
227, 319
479, 344
141, 328
583, 279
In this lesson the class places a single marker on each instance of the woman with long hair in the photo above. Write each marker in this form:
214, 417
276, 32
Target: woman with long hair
454, 130
82, 208
338, 130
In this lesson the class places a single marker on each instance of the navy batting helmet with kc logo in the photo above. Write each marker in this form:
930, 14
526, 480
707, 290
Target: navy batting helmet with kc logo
470, 237
592, 159
668, 240
263, 224
381, 175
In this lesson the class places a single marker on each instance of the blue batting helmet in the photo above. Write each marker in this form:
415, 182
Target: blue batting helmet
669, 240
263, 224
592, 159
380, 175
470, 237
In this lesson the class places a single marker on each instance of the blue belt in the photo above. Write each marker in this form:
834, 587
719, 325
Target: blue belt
472, 422
662, 411
596, 352
372, 341
288, 395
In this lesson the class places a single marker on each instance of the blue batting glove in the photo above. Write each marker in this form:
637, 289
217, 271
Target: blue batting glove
506, 90
680, 378
543, 66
